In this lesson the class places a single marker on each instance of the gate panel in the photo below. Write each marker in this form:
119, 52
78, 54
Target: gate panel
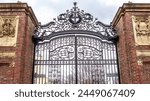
55, 61
76, 59
97, 63
75, 48
89, 60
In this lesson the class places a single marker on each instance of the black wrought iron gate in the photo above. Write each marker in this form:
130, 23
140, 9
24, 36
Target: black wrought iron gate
75, 50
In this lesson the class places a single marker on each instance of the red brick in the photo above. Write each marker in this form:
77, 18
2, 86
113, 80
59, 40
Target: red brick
130, 71
22, 70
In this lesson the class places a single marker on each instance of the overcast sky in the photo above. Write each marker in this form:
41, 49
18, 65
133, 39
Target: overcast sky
104, 10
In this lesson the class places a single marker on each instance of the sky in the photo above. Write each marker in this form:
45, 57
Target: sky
46, 10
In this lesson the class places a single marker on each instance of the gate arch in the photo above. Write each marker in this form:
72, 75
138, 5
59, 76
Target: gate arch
75, 49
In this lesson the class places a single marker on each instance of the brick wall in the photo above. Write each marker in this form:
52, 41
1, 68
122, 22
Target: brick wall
18, 68
131, 71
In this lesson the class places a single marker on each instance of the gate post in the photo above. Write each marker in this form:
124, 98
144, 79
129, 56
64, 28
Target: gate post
132, 23
17, 23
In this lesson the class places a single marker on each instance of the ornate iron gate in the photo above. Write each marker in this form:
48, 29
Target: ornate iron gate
75, 49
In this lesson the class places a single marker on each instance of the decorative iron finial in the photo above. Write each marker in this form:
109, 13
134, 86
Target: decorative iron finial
75, 3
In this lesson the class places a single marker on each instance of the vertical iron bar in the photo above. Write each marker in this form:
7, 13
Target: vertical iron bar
39, 67
104, 63
111, 62
43, 58
112, 65
68, 42
36, 67
34, 50
87, 72
118, 70
65, 64
76, 67
46, 62
115, 66
62, 62
108, 60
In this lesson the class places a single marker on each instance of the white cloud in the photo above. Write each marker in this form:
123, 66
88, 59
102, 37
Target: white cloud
30, 2
120, 2
55, 1
44, 14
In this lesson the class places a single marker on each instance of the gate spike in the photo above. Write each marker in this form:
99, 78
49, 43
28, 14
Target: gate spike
75, 3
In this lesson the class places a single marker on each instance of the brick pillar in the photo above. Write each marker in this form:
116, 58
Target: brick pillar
132, 23
17, 23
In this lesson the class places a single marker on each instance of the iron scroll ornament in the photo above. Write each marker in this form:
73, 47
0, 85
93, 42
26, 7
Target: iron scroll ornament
75, 19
